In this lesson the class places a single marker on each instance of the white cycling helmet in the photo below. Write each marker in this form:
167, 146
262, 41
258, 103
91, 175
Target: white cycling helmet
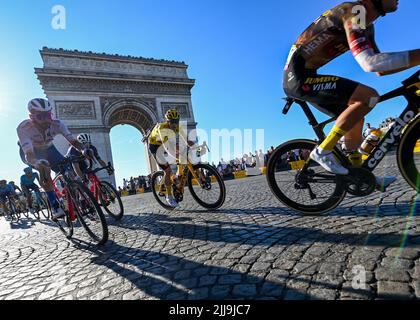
84, 138
39, 105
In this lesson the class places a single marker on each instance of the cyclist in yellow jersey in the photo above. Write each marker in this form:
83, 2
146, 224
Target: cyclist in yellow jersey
161, 135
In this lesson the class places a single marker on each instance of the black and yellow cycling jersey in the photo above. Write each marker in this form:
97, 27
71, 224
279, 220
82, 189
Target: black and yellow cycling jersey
324, 40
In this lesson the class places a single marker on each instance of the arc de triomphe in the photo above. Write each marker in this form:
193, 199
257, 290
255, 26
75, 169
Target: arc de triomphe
94, 92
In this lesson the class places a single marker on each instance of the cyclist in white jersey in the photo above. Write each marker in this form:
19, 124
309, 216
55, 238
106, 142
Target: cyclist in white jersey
36, 137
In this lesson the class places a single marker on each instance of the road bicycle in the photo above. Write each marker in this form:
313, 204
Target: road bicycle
204, 182
79, 204
13, 212
21, 205
41, 205
304, 186
105, 194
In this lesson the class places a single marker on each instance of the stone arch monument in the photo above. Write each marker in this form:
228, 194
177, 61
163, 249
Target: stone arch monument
94, 92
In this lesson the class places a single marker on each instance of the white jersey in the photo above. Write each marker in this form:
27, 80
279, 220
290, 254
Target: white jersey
31, 137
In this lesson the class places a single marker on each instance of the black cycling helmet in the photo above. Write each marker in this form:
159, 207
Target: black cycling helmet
379, 5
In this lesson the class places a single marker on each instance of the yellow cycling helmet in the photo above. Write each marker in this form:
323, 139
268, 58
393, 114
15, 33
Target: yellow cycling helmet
172, 115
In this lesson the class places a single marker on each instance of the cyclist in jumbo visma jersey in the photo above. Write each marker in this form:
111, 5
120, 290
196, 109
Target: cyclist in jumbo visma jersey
348, 26
163, 141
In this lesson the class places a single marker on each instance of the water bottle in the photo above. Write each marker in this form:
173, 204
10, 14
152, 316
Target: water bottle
370, 142
60, 186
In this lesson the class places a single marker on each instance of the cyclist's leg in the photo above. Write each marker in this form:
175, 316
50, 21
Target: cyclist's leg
331, 95
53, 156
361, 102
157, 153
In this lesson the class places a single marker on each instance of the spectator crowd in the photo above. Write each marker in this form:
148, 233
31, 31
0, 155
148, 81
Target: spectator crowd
134, 183
255, 160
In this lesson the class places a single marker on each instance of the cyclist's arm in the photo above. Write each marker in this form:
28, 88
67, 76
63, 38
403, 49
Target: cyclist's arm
102, 162
364, 52
69, 136
25, 143
98, 158
414, 61
31, 158
183, 133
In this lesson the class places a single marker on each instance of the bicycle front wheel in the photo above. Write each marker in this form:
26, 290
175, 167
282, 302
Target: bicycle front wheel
303, 187
65, 224
111, 201
159, 189
14, 213
409, 155
209, 190
89, 212
45, 207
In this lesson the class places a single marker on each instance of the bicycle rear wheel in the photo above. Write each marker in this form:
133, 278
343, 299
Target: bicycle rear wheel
210, 190
45, 207
89, 212
158, 189
408, 155
111, 201
311, 191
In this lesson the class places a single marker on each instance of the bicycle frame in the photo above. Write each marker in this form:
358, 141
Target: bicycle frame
95, 188
188, 167
64, 177
64, 195
392, 137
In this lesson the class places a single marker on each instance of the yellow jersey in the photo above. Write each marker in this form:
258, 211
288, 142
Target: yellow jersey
162, 132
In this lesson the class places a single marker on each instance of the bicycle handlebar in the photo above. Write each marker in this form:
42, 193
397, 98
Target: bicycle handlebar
288, 105
109, 166
70, 160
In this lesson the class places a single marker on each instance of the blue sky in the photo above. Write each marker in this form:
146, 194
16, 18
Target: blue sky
235, 50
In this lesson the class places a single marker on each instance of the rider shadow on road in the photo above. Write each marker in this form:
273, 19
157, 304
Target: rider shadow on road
22, 224
169, 277
225, 231
159, 275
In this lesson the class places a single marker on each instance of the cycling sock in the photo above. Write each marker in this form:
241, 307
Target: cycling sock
168, 190
356, 159
53, 199
332, 139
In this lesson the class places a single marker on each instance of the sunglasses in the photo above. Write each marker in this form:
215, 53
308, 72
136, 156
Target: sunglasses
42, 116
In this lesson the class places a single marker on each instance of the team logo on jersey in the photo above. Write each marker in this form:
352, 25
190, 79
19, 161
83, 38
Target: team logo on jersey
318, 80
316, 43
306, 88
290, 76
325, 86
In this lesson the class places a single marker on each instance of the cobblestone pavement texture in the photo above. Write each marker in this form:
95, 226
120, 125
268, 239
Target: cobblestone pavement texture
252, 248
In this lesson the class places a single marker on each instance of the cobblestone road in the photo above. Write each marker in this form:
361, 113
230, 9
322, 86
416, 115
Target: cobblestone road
253, 248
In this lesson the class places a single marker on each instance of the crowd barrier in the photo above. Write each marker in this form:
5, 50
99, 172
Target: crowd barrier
128, 193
